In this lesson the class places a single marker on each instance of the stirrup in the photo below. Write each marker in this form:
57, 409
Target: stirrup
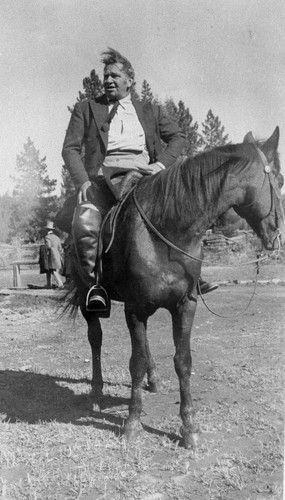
98, 302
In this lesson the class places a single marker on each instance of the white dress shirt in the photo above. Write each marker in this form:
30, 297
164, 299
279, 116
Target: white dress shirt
126, 132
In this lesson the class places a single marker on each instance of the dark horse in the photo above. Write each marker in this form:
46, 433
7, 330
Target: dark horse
145, 273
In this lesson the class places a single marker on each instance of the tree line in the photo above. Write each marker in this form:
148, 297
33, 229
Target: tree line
33, 201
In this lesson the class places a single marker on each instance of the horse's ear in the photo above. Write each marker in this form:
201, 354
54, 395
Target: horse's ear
248, 137
269, 148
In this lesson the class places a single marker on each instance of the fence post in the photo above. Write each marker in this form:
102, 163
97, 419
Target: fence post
16, 276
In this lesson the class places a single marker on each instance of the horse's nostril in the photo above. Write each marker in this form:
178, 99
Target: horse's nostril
269, 246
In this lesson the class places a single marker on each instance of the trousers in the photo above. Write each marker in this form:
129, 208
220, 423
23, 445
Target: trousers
88, 215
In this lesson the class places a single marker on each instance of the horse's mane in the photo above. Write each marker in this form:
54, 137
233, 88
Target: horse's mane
193, 186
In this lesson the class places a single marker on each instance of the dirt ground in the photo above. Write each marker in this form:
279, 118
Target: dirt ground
54, 447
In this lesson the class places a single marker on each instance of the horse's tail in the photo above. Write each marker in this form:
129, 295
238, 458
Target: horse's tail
70, 301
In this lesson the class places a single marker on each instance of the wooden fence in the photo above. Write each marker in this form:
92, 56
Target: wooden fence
15, 256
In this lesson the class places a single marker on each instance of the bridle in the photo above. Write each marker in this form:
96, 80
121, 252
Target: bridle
275, 195
183, 252
275, 205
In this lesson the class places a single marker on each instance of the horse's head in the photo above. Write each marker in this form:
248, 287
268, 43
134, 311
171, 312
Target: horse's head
262, 204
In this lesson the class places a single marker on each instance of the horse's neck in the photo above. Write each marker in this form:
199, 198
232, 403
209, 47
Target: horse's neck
232, 193
229, 194
198, 208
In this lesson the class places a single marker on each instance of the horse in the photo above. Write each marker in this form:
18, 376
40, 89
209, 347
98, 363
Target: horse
147, 272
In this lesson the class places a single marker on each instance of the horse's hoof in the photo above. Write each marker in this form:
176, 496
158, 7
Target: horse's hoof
152, 387
96, 407
132, 430
190, 439
96, 401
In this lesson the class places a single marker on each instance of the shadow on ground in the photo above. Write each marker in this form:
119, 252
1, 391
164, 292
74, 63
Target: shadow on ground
33, 398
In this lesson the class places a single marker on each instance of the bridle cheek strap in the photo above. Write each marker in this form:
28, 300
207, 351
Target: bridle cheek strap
276, 199
276, 202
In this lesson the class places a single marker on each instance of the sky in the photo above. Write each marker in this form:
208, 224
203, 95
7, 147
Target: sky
223, 55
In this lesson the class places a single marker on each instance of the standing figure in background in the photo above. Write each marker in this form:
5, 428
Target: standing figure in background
51, 256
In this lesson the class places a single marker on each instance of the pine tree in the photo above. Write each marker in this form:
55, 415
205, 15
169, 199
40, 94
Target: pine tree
171, 109
92, 85
190, 129
92, 88
213, 132
184, 119
34, 201
146, 93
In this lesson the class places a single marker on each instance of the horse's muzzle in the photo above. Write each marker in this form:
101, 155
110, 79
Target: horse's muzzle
276, 241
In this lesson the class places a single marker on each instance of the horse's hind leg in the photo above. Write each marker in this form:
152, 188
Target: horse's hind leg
182, 320
138, 369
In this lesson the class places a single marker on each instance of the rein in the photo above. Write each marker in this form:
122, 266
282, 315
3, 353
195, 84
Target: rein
239, 312
178, 249
170, 244
278, 216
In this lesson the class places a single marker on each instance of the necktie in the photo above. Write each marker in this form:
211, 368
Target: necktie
106, 124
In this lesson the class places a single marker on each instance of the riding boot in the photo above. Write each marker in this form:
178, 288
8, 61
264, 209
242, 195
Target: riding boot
205, 287
85, 230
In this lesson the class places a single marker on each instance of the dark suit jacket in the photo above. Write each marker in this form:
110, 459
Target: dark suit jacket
85, 128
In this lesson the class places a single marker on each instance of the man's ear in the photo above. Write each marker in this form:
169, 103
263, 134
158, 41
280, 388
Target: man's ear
130, 82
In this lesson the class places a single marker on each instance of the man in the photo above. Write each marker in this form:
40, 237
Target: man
55, 255
119, 133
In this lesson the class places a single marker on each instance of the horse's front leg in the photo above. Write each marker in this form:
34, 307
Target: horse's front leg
182, 320
95, 341
151, 371
138, 367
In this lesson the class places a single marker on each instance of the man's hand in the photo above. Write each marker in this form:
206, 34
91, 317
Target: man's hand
156, 167
82, 193
152, 169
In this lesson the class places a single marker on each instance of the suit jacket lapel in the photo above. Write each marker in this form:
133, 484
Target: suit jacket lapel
145, 118
100, 112
140, 112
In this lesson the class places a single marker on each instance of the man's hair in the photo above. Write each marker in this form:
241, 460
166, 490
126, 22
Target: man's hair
112, 56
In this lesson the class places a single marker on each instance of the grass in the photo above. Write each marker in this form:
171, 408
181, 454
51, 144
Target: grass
54, 448
62, 461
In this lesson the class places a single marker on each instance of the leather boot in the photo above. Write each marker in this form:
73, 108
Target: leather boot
205, 287
85, 230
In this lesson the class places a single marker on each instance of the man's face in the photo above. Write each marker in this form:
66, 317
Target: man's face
116, 83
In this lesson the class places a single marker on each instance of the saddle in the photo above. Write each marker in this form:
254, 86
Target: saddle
106, 235
109, 224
